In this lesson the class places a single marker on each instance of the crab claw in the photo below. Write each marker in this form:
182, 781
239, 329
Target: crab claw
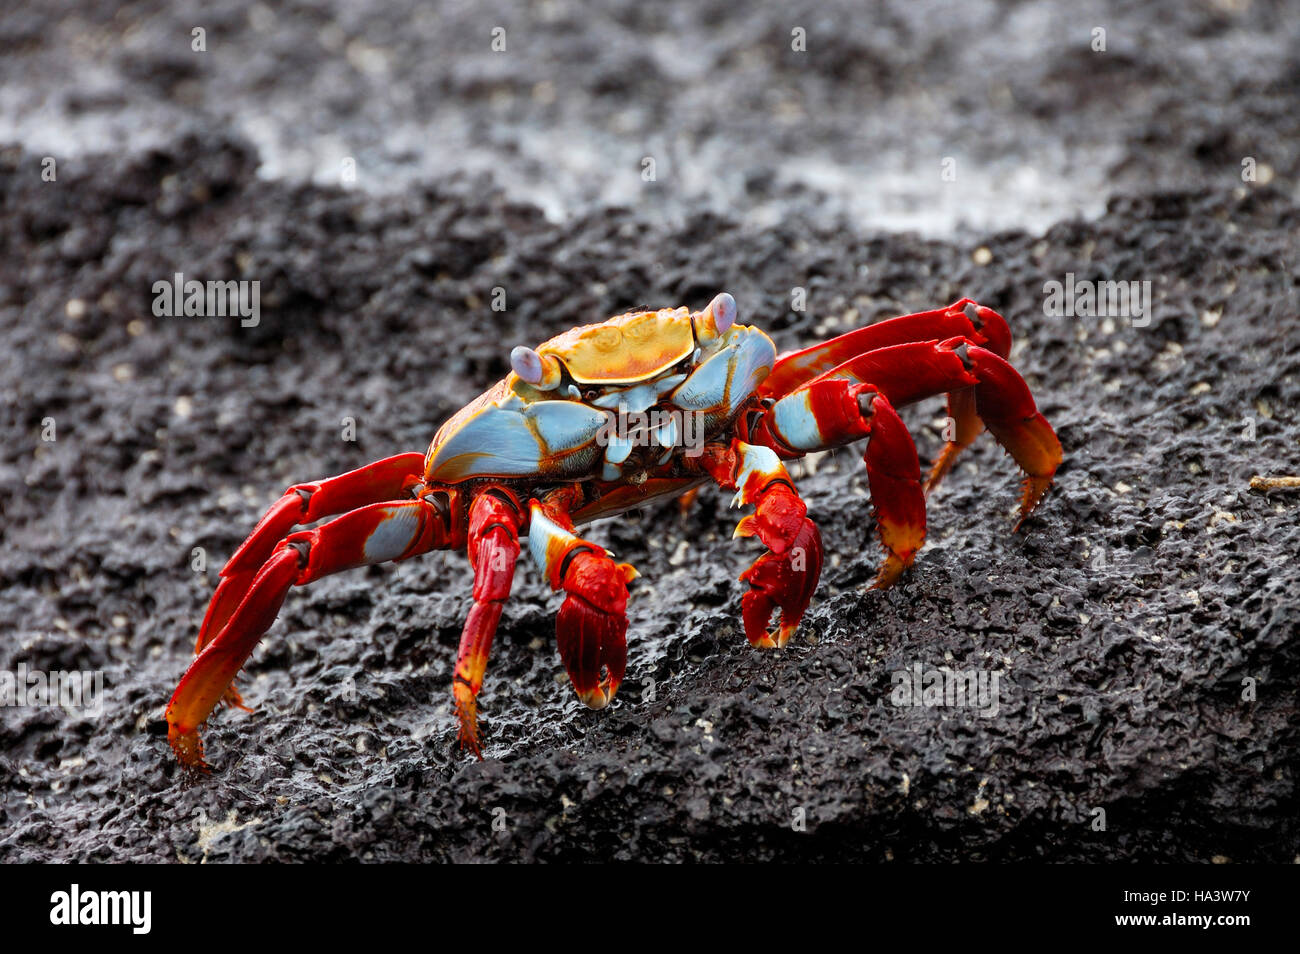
591, 628
785, 577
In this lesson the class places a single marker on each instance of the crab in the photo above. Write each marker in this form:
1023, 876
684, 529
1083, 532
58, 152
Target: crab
608, 417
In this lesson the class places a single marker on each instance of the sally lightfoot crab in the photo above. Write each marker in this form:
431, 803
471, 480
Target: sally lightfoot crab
605, 418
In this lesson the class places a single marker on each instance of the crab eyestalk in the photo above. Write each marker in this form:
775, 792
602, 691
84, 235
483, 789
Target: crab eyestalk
715, 320
541, 371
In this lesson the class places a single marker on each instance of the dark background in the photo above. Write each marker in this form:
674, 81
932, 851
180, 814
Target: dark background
1124, 617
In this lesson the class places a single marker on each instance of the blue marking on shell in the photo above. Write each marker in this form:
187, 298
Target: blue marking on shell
564, 425
611, 472
513, 439
706, 388
638, 398
795, 423
394, 534
726, 379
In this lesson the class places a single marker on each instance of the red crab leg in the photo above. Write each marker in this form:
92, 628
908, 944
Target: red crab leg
686, 502
834, 411
591, 627
301, 503
963, 318
966, 426
373, 534
908, 373
493, 551
785, 577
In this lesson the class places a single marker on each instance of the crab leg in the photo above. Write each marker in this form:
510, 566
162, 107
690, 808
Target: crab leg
966, 426
833, 411
908, 373
963, 318
301, 503
493, 552
857, 400
785, 577
373, 534
591, 627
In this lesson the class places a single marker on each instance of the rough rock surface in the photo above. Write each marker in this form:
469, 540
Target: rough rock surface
1124, 618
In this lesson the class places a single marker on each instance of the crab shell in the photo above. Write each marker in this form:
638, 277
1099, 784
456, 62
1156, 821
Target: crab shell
559, 425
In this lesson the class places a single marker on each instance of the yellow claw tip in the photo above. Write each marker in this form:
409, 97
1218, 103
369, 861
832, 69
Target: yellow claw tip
774, 641
596, 699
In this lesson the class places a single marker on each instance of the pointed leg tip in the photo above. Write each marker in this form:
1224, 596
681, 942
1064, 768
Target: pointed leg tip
188, 748
890, 572
467, 716
470, 745
467, 735
761, 637
941, 468
598, 695
1035, 488
233, 700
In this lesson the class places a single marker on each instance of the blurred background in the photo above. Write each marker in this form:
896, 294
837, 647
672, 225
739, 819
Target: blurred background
912, 114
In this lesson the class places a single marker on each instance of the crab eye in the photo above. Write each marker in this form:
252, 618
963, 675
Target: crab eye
527, 363
723, 309
717, 319
533, 368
